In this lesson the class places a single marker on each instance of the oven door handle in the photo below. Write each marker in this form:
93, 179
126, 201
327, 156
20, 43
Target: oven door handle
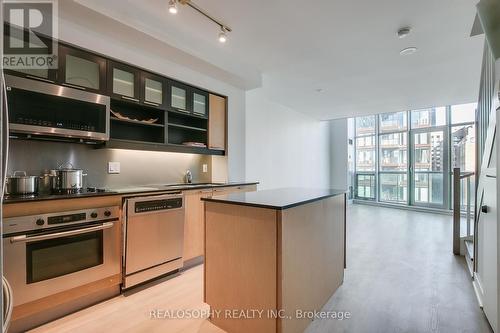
26, 238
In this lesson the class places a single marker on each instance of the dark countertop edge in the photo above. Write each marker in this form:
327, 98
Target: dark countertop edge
257, 205
58, 197
103, 194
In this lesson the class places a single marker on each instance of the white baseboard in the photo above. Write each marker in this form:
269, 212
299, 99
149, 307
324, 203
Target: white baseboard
478, 290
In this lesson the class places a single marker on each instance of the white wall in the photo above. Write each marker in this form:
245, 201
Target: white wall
81, 26
284, 148
338, 154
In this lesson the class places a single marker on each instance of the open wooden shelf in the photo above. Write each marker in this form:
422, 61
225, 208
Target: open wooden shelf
151, 146
188, 127
187, 113
136, 122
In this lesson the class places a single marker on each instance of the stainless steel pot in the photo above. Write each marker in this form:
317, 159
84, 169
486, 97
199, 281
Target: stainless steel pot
47, 181
20, 184
68, 178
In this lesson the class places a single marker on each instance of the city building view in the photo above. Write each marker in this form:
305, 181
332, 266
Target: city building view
407, 157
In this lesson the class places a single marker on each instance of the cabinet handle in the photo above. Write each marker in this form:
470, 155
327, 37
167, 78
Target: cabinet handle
130, 99
39, 78
182, 110
151, 103
73, 86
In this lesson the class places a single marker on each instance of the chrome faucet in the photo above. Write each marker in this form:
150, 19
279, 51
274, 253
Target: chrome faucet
189, 177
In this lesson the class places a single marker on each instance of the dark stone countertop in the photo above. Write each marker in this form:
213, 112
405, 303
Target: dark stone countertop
125, 191
278, 199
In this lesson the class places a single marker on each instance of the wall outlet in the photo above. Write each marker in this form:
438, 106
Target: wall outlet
113, 167
205, 168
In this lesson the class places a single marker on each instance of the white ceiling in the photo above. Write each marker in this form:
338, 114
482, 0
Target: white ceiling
347, 48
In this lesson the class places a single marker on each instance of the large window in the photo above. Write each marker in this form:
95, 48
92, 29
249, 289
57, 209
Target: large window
365, 158
365, 153
407, 157
365, 186
393, 187
393, 152
365, 125
393, 157
393, 122
428, 117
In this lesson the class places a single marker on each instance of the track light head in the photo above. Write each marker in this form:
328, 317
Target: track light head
223, 35
172, 6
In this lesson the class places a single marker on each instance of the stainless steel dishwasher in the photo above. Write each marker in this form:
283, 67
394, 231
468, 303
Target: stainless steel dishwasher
153, 237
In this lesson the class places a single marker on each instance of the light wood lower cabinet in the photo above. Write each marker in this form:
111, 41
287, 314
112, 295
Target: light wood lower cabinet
194, 223
194, 226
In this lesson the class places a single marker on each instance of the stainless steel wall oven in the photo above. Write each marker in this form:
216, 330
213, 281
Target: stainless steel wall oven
50, 253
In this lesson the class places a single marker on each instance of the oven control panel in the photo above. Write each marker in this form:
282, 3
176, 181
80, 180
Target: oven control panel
45, 221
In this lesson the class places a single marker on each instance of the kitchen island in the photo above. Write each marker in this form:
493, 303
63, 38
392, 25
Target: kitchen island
272, 256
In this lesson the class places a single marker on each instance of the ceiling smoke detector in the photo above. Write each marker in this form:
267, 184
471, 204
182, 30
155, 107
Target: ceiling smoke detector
403, 32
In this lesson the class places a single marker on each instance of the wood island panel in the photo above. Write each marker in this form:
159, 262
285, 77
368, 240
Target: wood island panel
240, 264
312, 251
274, 259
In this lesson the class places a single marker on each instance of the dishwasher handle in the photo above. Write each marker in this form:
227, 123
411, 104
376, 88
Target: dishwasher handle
177, 194
154, 204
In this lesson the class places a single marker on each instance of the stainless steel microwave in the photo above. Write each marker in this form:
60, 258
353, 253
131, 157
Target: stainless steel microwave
45, 109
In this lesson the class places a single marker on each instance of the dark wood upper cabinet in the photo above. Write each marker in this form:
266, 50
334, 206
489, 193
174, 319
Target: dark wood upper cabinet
153, 90
81, 70
150, 111
186, 99
124, 82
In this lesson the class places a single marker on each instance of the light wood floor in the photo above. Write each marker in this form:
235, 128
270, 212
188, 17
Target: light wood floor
401, 277
131, 313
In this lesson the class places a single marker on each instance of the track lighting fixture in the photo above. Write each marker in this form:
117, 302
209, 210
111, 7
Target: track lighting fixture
224, 29
172, 6
222, 35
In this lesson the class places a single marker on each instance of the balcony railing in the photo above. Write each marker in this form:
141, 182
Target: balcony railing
460, 207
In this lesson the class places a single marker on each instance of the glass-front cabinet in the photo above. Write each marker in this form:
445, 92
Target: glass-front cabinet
152, 90
82, 70
123, 81
187, 99
200, 102
179, 97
